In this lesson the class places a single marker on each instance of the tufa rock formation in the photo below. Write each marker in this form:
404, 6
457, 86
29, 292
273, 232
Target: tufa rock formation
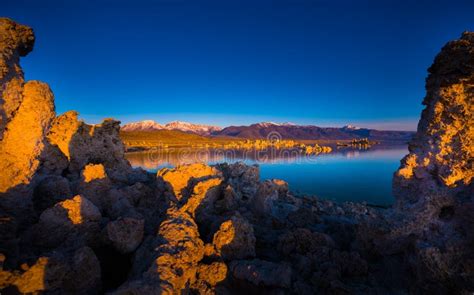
75, 218
434, 186
442, 150
15, 41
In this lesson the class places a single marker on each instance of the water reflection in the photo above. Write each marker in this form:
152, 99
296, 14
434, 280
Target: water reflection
155, 159
346, 174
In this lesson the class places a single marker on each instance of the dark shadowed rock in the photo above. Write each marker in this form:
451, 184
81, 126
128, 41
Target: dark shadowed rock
73, 221
244, 179
125, 234
51, 190
262, 273
303, 241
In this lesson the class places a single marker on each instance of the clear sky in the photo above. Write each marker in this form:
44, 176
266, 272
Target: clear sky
237, 62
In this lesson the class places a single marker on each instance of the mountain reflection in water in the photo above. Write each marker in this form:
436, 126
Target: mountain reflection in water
344, 175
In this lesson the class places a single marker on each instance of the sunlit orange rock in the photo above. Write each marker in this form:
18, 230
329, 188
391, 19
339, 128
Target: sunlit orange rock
93, 171
33, 280
76, 211
24, 140
95, 185
83, 144
176, 266
235, 239
208, 276
181, 177
26, 110
434, 184
444, 143
62, 130
204, 194
15, 41
80, 210
75, 272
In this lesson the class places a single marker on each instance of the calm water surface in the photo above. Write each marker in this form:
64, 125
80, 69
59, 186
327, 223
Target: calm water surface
344, 175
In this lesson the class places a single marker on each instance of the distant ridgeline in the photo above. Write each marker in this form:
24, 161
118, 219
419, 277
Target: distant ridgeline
284, 131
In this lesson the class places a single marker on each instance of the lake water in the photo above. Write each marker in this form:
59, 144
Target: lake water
346, 174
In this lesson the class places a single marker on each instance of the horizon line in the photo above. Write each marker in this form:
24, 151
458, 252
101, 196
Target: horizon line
400, 124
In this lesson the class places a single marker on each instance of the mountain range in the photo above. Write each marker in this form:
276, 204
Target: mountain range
150, 125
282, 130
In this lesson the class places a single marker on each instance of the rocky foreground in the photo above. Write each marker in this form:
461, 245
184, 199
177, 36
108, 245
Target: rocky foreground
76, 218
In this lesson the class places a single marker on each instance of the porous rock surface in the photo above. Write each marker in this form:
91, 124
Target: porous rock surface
434, 186
76, 218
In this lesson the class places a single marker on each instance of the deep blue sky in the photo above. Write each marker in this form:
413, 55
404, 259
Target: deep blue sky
238, 62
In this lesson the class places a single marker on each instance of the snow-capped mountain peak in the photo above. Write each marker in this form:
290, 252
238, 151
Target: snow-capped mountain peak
146, 125
351, 127
150, 125
190, 127
270, 124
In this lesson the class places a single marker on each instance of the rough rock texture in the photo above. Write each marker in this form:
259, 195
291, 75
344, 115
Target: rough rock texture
70, 221
262, 273
93, 172
235, 239
42, 157
26, 109
75, 218
15, 40
182, 178
24, 139
434, 185
125, 234
442, 150
83, 144
208, 276
60, 272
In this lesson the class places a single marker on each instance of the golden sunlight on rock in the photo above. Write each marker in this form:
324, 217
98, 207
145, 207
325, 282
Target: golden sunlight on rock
444, 144
33, 280
93, 172
23, 141
407, 171
180, 176
82, 143
63, 128
15, 40
235, 239
209, 275
180, 254
79, 210
204, 193
78, 270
